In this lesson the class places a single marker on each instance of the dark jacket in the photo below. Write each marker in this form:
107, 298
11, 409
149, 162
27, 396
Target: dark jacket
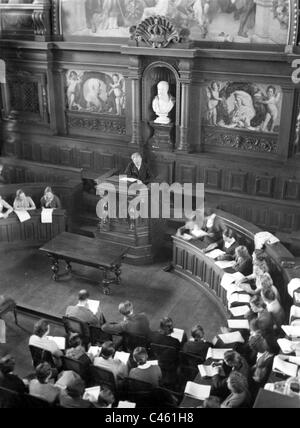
143, 174
245, 266
216, 231
161, 339
197, 348
136, 324
13, 383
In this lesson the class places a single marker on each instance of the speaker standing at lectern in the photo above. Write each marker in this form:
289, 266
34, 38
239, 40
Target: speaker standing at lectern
138, 169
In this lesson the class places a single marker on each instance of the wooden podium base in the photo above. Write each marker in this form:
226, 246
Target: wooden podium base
162, 138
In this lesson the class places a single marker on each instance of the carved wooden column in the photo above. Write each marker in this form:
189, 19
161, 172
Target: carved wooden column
185, 80
136, 110
41, 17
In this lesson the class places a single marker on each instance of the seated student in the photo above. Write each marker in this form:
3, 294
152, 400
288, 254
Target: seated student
82, 312
229, 245
263, 319
71, 397
5, 206
163, 336
145, 372
138, 169
23, 202
243, 260
41, 388
259, 269
262, 369
107, 360
76, 350
135, 324
214, 228
273, 306
40, 340
49, 200
191, 225
105, 400
197, 345
267, 282
8, 379
240, 395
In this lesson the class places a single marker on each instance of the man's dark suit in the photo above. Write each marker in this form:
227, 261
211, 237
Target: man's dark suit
136, 324
161, 339
144, 174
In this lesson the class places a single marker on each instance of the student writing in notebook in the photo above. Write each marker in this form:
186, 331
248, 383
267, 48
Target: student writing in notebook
50, 200
23, 202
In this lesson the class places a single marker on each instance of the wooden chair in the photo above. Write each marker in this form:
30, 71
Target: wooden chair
9, 399
103, 377
188, 366
75, 366
31, 402
168, 360
73, 325
39, 356
8, 305
138, 392
98, 337
132, 341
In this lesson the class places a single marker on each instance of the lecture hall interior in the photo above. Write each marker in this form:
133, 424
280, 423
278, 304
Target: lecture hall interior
102, 303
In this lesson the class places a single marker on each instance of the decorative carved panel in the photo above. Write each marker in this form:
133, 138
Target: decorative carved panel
238, 182
239, 141
213, 178
186, 173
156, 32
24, 96
85, 159
104, 125
264, 186
292, 190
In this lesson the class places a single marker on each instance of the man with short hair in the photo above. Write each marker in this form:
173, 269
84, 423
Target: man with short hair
41, 388
40, 340
138, 169
8, 380
134, 324
107, 360
82, 311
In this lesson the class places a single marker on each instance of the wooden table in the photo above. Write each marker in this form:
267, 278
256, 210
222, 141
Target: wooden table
104, 256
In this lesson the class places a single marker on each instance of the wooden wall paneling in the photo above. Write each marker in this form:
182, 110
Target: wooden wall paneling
238, 181
186, 172
213, 178
264, 186
66, 156
286, 128
291, 190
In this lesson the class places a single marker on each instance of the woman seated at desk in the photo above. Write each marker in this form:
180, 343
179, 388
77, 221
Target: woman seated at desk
5, 206
23, 202
49, 200
214, 229
243, 260
228, 246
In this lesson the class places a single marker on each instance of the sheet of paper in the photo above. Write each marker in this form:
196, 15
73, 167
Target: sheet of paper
198, 233
122, 356
295, 360
286, 346
239, 324
23, 215
178, 334
294, 313
215, 254
225, 264
284, 367
238, 298
60, 342
240, 311
200, 392
95, 351
2, 331
187, 237
126, 405
94, 306
291, 331
153, 362
216, 354
230, 278
234, 337
47, 216
128, 180
92, 394
208, 371
293, 286
295, 323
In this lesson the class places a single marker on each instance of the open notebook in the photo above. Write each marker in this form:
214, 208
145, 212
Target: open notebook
94, 306
92, 394
208, 371
238, 324
216, 353
285, 367
60, 342
200, 392
178, 334
234, 337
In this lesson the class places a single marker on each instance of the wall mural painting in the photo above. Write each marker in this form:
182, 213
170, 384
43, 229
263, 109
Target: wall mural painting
255, 107
96, 92
242, 21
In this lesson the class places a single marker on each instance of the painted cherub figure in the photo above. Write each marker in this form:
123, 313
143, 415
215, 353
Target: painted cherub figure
213, 93
117, 90
271, 103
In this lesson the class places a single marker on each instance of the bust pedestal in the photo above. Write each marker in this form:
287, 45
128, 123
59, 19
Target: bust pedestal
162, 138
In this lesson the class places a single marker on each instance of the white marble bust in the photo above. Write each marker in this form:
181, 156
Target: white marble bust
163, 103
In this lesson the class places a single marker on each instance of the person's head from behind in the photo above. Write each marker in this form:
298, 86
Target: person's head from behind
232, 359
43, 372
208, 211
258, 343
106, 398
83, 297
212, 403
41, 328
140, 356
166, 326
126, 308
257, 304
75, 340
76, 388
268, 295
197, 333
242, 252
108, 350
7, 364
20, 195
237, 383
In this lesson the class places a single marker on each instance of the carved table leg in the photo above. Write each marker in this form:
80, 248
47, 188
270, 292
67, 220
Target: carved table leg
118, 273
106, 283
68, 266
54, 267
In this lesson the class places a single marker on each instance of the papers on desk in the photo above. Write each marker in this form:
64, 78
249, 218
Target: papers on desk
295, 360
2, 331
123, 357
178, 334
187, 237
23, 215
293, 286
284, 367
126, 405
291, 331
216, 354
230, 278
60, 342
208, 371
294, 313
215, 254
225, 264
94, 306
128, 180
239, 324
92, 394
240, 311
234, 337
238, 298
95, 351
200, 392
286, 346
198, 233
47, 216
